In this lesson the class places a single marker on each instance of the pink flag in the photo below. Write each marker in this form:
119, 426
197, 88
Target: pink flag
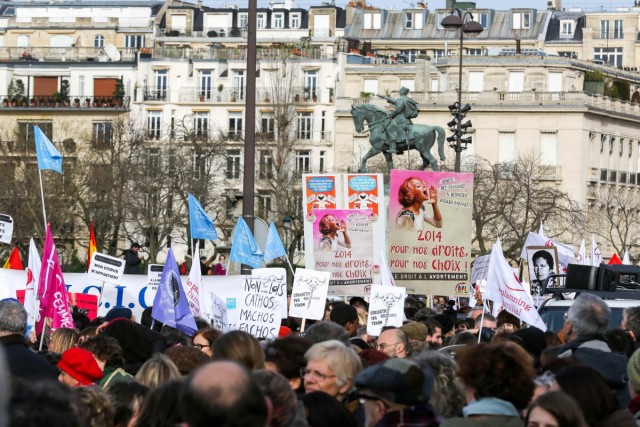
504, 288
52, 292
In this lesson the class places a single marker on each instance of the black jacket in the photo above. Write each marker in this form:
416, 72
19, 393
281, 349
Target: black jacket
132, 262
25, 363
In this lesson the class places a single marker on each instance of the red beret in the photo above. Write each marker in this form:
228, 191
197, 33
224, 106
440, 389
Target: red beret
81, 365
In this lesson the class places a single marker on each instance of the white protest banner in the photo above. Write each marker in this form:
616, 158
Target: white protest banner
6, 228
225, 289
259, 309
566, 254
309, 294
106, 268
480, 268
154, 273
277, 278
504, 289
386, 308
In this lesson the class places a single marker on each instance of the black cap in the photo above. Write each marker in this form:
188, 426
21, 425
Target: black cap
136, 245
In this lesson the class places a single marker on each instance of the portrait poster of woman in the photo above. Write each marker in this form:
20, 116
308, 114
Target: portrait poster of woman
543, 263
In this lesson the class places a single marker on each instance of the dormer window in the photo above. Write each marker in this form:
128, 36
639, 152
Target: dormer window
243, 20
413, 21
278, 20
521, 20
294, 20
566, 28
482, 18
261, 20
372, 21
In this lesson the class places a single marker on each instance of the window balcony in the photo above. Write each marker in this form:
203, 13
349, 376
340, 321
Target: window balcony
73, 102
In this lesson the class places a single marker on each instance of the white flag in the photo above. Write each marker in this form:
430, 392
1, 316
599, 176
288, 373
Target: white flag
596, 255
582, 255
626, 260
33, 273
386, 278
193, 287
504, 288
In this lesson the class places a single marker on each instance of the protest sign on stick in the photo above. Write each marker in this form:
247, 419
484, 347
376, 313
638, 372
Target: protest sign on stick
259, 308
309, 294
6, 228
386, 308
277, 279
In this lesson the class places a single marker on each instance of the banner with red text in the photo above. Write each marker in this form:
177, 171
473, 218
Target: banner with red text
430, 231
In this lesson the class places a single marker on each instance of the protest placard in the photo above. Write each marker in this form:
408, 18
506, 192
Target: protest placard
106, 268
6, 228
259, 309
309, 294
386, 308
220, 299
480, 269
154, 273
430, 231
277, 278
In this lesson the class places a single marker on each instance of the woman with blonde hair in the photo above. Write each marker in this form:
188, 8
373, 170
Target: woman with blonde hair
157, 371
63, 339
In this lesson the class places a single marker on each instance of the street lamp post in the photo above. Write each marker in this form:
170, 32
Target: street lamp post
463, 22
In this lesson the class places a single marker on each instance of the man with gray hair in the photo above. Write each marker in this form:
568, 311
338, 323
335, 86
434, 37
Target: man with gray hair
586, 323
23, 362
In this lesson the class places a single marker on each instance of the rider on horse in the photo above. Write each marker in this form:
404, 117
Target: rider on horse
398, 129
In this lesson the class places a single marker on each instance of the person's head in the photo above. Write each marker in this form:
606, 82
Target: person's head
412, 191
283, 400
475, 312
331, 367
203, 340
222, 258
105, 349
13, 318
135, 247
434, 336
588, 314
286, 356
463, 338
360, 304
157, 371
323, 410
328, 224
542, 264
126, 398
589, 389
78, 368
511, 368
346, 316
222, 394
633, 374
631, 322
186, 359
460, 326
325, 331
447, 397
63, 339
392, 385
555, 409
415, 331
507, 321
404, 90
42, 403
160, 406
118, 313
488, 321
620, 341
93, 407
240, 347
393, 342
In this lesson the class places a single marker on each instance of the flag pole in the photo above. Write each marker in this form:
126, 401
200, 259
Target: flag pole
290, 266
484, 301
44, 210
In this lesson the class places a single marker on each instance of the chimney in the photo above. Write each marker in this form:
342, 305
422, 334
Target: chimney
199, 4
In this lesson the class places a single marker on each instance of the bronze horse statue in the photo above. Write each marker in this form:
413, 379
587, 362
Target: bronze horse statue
376, 118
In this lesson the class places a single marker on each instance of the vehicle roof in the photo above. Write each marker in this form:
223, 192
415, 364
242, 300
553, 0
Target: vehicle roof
610, 302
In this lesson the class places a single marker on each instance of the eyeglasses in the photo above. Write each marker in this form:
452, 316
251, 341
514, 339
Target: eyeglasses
201, 346
304, 372
383, 346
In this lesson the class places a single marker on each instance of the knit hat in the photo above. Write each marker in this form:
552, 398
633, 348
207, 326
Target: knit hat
633, 371
401, 381
415, 331
80, 364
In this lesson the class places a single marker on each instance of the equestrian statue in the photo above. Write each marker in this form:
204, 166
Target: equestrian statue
393, 132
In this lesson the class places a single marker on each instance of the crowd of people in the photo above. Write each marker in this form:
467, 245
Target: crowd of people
442, 367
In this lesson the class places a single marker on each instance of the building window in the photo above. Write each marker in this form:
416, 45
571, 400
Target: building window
243, 20
370, 86
199, 165
233, 164
133, 41
617, 29
264, 205
151, 160
372, 21
506, 147
205, 84
311, 83
261, 20
235, 126
474, 52
26, 135
102, 134
265, 167
610, 55
408, 56
549, 149
482, 18
98, 41
604, 29
521, 21
303, 161
238, 84
322, 167
305, 125
161, 83
408, 20
201, 125
295, 20
267, 128
154, 124
566, 28
278, 20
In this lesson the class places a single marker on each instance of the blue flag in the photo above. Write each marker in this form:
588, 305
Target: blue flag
202, 226
273, 248
244, 248
170, 305
49, 158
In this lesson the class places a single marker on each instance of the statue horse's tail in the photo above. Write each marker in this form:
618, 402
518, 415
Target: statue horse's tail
441, 135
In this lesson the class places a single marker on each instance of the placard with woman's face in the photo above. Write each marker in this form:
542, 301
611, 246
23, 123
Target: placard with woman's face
543, 261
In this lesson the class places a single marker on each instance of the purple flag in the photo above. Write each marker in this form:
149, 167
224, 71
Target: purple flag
170, 305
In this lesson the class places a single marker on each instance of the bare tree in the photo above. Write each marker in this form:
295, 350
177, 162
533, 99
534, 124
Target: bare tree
615, 216
512, 199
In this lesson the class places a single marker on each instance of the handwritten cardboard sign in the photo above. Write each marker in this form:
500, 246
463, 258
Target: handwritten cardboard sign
309, 294
106, 268
386, 308
260, 313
